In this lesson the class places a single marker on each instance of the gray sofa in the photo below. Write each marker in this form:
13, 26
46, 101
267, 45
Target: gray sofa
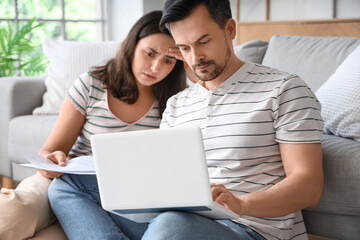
314, 59
19, 128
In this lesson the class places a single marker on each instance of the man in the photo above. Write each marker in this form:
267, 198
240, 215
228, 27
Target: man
262, 132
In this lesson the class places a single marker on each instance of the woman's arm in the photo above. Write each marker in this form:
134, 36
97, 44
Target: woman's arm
63, 136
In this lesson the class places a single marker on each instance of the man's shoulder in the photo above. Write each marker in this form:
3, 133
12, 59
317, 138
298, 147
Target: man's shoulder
254, 75
259, 69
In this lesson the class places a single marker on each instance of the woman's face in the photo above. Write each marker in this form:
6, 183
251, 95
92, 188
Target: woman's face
151, 62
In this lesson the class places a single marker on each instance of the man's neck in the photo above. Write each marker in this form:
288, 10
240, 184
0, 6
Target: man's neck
233, 65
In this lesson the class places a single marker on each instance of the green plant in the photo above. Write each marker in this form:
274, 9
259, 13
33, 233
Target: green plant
18, 56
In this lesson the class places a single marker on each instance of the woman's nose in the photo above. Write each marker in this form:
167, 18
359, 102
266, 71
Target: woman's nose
155, 65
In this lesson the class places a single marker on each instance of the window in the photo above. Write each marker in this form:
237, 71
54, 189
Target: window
79, 20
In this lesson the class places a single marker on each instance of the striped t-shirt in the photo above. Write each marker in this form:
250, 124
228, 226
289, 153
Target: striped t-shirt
242, 121
89, 97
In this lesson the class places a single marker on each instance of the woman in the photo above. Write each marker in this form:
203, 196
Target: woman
128, 93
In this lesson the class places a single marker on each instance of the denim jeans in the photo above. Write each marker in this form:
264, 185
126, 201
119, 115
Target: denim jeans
75, 201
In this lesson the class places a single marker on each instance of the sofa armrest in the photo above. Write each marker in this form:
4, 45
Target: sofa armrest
19, 96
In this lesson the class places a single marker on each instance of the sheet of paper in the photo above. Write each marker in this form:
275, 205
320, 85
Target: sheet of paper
79, 165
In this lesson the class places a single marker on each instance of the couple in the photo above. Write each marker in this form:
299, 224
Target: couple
262, 129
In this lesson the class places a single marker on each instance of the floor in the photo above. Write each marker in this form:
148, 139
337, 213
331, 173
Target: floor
313, 237
7, 182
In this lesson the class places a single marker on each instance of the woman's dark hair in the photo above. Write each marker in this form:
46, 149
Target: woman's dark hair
176, 10
117, 73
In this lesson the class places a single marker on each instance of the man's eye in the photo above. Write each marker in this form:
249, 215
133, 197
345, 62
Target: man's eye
150, 54
184, 48
204, 42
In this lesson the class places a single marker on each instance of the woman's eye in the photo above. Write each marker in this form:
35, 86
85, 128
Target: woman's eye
150, 54
168, 61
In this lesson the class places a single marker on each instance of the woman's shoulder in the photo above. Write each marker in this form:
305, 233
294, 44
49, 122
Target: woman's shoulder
89, 79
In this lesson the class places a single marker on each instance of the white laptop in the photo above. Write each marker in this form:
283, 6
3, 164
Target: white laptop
143, 173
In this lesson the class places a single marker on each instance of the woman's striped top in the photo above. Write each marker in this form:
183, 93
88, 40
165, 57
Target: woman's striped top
242, 121
89, 96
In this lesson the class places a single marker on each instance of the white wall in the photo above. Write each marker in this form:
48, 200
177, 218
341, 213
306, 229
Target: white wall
255, 10
348, 9
150, 5
122, 14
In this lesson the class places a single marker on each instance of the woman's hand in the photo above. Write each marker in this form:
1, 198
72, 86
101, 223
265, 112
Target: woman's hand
224, 197
175, 52
63, 136
57, 157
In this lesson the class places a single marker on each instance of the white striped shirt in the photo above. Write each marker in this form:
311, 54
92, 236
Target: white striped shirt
89, 96
242, 121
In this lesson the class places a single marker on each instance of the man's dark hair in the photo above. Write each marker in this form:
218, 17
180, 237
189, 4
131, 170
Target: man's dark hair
176, 10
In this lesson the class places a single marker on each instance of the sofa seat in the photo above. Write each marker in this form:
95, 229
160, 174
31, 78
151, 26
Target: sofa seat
341, 163
340, 200
30, 131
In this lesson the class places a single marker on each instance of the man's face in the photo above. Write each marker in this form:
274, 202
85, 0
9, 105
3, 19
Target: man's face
203, 44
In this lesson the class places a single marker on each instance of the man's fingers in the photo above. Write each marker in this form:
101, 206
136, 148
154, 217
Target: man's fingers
217, 190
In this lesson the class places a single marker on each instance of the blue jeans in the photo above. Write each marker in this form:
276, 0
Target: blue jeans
75, 201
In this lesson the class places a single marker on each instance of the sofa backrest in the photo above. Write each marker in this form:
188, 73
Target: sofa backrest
314, 59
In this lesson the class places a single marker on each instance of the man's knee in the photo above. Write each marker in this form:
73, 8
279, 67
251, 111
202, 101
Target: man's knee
171, 217
173, 221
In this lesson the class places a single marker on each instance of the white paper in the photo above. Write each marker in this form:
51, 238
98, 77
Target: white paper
79, 165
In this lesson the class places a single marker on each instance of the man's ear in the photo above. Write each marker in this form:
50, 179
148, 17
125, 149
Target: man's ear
230, 28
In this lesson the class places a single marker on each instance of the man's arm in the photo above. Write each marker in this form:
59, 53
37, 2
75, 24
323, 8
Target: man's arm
301, 188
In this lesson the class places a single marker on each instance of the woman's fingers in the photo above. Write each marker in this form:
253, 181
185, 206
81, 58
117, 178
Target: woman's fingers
57, 157
175, 52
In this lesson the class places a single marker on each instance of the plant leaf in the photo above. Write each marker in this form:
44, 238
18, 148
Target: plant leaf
14, 43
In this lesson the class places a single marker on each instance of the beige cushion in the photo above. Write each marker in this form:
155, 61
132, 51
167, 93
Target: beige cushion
25, 210
52, 232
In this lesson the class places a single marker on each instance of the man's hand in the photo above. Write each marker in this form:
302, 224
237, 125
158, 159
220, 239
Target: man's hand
57, 157
224, 197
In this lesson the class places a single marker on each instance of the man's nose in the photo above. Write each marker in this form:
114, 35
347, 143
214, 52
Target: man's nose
197, 56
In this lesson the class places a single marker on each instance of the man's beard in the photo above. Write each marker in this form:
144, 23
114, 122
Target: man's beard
206, 75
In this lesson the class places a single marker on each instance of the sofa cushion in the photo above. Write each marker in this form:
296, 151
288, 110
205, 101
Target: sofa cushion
252, 51
314, 59
30, 131
68, 59
341, 159
333, 226
340, 99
